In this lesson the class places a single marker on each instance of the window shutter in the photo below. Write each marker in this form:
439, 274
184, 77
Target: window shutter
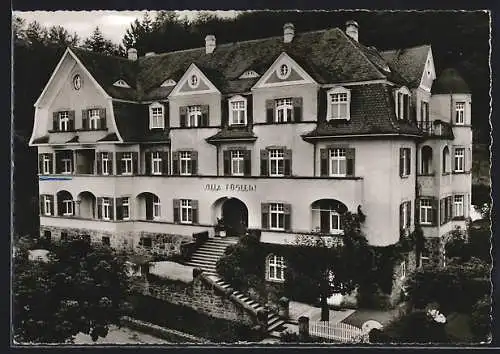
194, 162
324, 221
297, 109
110, 167
453, 164
119, 208
323, 155
401, 216
51, 200
149, 207
287, 209
408, 160
322, 102
435, 206
118, 164
264, 161
265, 215
135, 157
111, 208
288, 162
164, 162
408, 214
417, 211
450, 207
350, 161
40, 164
247, 157
224, 111
147, 162
442, 211
175, 163
176, 208
270, 111
249, 109
41, 205
98, 160
85, 119
55, 121
406, 106
99, 207
401, 162
71, 125
205, 115
342, 221
227, 162
183, 116
102, 118
194, 206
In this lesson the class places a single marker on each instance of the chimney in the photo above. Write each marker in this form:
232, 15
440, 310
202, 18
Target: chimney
351, 29
150, 54
209, 44
132, 54
288, 32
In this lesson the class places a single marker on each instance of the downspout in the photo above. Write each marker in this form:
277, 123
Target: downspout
314, 159
217, 159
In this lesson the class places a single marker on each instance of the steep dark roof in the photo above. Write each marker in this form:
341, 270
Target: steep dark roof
73, 139
450, 81
41, 140
110, 137
408, 62
232, 133
371, 112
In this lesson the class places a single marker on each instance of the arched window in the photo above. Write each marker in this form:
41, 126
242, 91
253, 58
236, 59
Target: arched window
275, 268
65, 203
426, 160
328, 216
446, 160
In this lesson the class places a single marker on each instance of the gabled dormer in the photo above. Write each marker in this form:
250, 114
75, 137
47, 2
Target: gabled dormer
156, 116
249, 74
238, 111
402, 99
168, 83
194, 81
429, 73
121, 83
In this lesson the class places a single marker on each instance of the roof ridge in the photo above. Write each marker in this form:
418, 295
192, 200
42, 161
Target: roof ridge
72, 48
400, 49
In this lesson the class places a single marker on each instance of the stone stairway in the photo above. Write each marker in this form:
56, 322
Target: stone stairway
205, 258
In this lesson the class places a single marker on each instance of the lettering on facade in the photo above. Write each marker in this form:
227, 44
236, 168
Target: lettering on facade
230, 187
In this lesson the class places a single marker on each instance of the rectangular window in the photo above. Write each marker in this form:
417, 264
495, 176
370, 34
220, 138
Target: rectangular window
185, 162
94, 119
276, 162
105, 163
424, 116
67, 207
284, 110
194, 116
338, 162
458, 206
126, 163
106, 241
186, 211
64, 121
276, 268
47, 203
405, 215
66, 166
459, 165
335, 227
237, 163
46, 164
459, 113
146, 242
238, 112
405, 162
425, 211
125, 208
403, 269
64, 236
277, 216
156, 162
156, 120
106, 209
156, 207
338, 105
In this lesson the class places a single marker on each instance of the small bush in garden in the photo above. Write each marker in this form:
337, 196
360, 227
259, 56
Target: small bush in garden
289, 337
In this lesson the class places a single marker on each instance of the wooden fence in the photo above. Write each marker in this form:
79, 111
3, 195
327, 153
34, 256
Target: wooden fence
339, 332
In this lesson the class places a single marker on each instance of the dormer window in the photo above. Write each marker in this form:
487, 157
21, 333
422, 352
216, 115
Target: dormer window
168, 83
237, 111
339, 101
249, 74
156, 116
121, 83
402, 103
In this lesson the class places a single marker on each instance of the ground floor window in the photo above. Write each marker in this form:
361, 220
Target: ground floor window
106, 241
67, 207
277, 216
425, 211
186, 211
458, 205
146, 242
106, 209
275, 268
125, 208
156, 207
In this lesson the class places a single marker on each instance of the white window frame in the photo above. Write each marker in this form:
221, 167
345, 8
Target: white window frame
186, 211
106, 208
238, 107
400, 114
275, 211
337, 161
406, 223
237, 162
193, 116
126, 206
66, 164
283, 70
63, 121
156, 208
185, 165
94, 119
284, 105
276, 157
126, 161
458, 205
403, 269
425, 209
67, 207
47, 205
338, 96
156, 116
46, 164
334, 231
406, 157
156, 161
274, 263
105, 163
459, 113
459, 160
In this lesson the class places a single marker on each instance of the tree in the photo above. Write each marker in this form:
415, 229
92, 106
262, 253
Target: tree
36, 34
59, 36
81, 288
98, 44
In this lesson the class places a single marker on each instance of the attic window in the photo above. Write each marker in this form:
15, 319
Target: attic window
156, 116
402, 103
339, 104
249, 74
121, 83
168, 83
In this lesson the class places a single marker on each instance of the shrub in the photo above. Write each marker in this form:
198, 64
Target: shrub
481, 319
415, 327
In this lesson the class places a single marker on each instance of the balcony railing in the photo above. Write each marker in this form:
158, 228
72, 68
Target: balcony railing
433, 128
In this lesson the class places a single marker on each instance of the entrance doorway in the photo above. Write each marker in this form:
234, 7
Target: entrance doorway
235, 217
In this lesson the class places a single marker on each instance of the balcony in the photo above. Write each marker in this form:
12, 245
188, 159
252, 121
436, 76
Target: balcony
436, 129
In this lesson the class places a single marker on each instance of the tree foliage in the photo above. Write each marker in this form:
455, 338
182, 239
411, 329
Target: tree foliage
80, 289
98, 44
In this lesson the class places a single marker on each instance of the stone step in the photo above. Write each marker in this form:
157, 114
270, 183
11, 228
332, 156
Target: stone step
201, 266
203, 260
206, 254
275, 326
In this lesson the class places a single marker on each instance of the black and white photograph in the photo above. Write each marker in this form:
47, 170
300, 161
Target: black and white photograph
257, 177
